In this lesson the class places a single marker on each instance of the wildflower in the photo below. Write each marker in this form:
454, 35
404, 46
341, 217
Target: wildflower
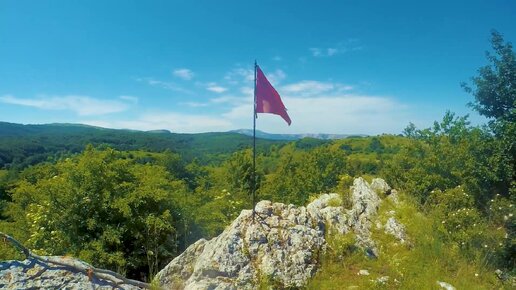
476, 274
485, 246
510, 215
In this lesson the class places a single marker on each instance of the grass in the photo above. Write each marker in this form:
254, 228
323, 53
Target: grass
417, 264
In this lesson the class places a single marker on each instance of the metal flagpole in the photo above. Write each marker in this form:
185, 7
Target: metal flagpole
254, 144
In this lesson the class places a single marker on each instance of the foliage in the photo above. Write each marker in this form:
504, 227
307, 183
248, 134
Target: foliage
24, 145
495, 97
102, 207
132, 211
445, 156
418, 264
495, 87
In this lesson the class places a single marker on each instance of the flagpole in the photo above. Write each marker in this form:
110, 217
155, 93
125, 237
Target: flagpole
254, 145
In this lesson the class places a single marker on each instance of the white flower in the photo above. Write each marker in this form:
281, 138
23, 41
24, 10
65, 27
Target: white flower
476, 274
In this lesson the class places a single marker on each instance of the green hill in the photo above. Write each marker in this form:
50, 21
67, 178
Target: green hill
23, 145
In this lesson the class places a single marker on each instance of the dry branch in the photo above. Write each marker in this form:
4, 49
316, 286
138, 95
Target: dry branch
79, 266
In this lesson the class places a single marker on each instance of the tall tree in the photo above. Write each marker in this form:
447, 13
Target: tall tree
494, 90
495, 86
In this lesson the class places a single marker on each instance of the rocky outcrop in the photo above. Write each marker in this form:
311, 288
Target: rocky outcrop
37, 274
281, 246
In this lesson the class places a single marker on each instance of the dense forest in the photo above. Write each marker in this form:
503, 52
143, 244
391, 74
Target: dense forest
131, 201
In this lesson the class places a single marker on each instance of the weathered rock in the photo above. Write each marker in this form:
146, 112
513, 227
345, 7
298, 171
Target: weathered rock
445, 285
393, 227
393, 197
360, 217
363, 273
380, 186
282, 246
34, 274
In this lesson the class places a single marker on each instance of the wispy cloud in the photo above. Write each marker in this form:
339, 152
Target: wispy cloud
314, 88
307, 87
82, 105
183, 73
348, 45
331, 114
276, 76
213, 87
239, 75
130, 99
223, 100
175, 122
171, 86
331, 111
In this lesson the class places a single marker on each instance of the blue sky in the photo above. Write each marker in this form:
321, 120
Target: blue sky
366, 67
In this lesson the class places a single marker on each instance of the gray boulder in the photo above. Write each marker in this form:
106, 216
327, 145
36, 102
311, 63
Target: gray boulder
282, 246
37, 274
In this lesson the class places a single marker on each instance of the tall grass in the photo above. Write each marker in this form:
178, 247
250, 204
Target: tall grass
417, 264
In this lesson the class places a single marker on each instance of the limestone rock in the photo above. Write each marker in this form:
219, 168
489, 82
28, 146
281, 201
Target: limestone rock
363, 273
445, 285
393, 227
379, 185
282, 246
365, 203
34, 274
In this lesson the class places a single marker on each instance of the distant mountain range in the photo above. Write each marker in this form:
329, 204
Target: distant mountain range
292, 137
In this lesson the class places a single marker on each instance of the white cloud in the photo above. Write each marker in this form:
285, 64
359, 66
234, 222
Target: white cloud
276, 76
232, 100
350, 114
195, 104
240, 75
277, 58
331, 51
325, 52
307, 88
130, 99
183, 73
171, 86
175, 122
213, 87
82, 105
248, 92
313, 88
315, 51
243, 76
351, 44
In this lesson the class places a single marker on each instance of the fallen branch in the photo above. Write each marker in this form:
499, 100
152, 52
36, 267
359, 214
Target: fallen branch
77, 265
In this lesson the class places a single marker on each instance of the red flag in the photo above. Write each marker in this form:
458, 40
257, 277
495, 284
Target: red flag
267, 98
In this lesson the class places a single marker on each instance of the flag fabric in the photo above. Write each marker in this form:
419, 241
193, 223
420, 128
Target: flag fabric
267, 98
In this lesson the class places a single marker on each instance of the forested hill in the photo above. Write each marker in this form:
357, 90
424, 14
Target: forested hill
23, 145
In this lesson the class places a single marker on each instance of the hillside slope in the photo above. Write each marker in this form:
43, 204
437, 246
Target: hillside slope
23, 145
